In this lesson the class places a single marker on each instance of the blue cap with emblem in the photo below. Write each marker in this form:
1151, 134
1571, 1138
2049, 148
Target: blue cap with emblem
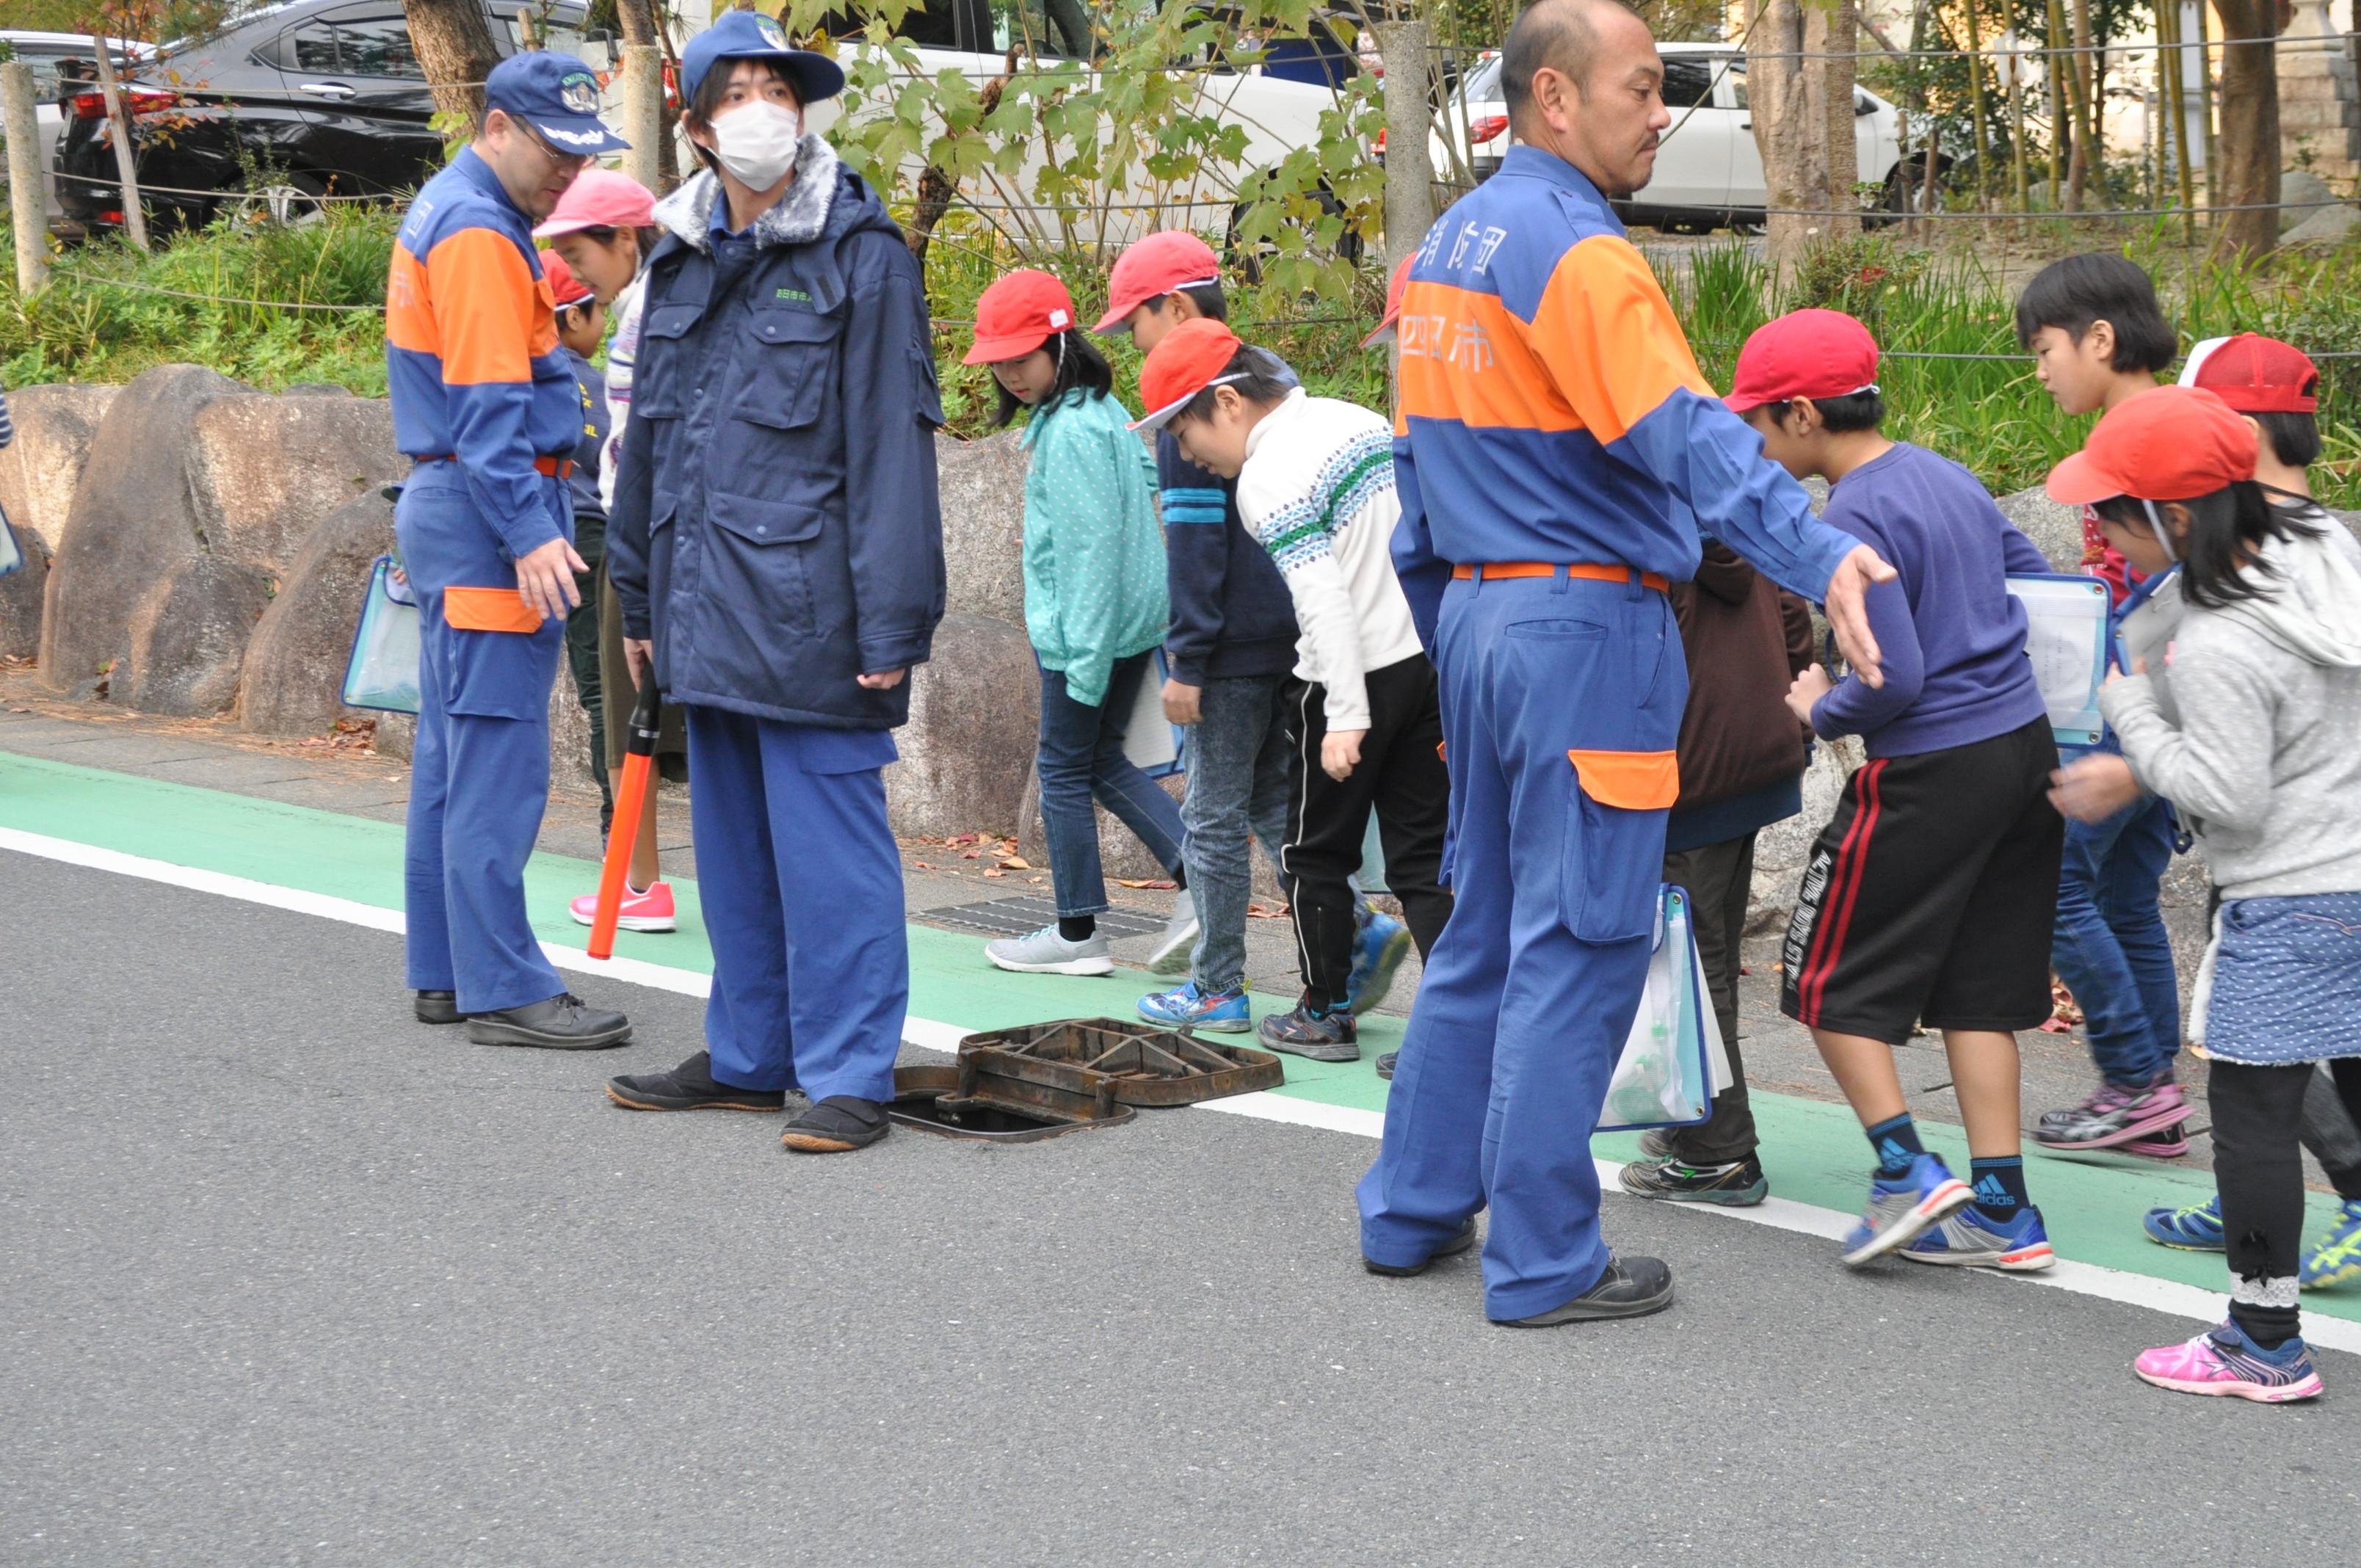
749, 35
556, 95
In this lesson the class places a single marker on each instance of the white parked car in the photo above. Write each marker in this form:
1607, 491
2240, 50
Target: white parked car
43, 51
1708, 170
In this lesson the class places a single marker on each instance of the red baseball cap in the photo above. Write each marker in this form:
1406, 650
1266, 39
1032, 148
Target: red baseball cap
1191, 357
1394, 292
601, 199
1154, 268
1018, 315
1803, 353
2173, 445
565, 288
2254, 374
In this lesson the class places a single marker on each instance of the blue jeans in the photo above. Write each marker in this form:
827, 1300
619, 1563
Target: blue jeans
1080, 757
1238, 757
2110, 948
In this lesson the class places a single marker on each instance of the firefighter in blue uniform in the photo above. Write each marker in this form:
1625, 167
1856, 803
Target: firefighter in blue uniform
777, 548
485, 404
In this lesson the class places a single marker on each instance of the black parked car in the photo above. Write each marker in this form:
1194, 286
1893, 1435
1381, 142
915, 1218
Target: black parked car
281, 107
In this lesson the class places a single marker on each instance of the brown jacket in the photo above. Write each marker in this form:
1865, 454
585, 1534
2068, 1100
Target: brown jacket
1745, 642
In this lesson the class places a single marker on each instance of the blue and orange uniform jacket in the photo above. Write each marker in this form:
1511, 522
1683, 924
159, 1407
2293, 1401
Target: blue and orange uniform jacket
1551, 410
472, 358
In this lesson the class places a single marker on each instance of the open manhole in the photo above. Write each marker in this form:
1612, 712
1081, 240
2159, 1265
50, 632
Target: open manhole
1020, 916
928, 1098
1074, 1061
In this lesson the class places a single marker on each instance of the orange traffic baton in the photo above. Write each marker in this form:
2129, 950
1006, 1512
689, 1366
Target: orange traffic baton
639, 762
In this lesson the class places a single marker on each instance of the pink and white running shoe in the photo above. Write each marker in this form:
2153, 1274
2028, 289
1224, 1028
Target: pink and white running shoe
2224, 1361
643, 910
2137, 1121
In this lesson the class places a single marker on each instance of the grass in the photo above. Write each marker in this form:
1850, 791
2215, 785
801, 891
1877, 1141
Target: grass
1990, 414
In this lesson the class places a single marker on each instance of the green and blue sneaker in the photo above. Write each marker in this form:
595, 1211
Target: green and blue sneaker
1379, 948
2197, 1228
1972, 1238
2337, 1259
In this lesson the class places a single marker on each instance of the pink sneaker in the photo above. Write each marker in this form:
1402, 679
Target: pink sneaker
648, 911
2224, 1361
2115, 1117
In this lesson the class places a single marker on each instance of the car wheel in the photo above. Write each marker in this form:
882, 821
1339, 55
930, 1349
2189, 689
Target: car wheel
289, 201
1903, 183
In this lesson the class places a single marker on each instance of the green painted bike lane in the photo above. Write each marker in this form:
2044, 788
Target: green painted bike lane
1813, 1151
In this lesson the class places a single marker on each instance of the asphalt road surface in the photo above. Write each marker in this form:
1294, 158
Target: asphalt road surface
286, 1277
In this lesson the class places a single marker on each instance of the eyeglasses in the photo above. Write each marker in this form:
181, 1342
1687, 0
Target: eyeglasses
560, 160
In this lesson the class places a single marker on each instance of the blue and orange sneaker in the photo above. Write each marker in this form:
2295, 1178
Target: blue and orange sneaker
1224, 1012
1379, 948
2337, 1258
2197, 1228
1902, 1206
1970, 1239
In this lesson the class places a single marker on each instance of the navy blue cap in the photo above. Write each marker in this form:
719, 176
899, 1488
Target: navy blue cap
749, 35
555, 94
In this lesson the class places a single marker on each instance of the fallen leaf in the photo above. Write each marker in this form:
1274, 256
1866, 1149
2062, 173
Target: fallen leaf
1016, 864
922, 865
995, 871
973, 855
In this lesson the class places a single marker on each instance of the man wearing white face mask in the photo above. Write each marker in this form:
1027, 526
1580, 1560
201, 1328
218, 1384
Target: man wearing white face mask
776, 546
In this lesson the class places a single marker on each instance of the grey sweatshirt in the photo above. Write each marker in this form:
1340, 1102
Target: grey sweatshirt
2254, 730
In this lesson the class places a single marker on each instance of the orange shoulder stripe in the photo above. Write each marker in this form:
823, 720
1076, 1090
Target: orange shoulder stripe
408, 306
1612, 343
1466, 358
491, 315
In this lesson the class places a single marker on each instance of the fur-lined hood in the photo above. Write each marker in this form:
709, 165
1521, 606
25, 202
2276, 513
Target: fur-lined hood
800, 216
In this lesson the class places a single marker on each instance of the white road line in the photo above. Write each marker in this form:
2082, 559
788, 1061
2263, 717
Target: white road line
2082, 1278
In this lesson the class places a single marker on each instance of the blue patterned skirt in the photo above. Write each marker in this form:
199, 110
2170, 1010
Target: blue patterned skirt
2285, 980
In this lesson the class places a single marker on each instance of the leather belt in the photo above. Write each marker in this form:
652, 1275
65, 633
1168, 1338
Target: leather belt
1586, 570
552, 467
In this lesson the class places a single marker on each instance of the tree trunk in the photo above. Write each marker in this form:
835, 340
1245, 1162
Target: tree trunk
2250, 128
1409, 156
638, 20
2086, 116
1835, 34
1795, 173
454, 47
939, 189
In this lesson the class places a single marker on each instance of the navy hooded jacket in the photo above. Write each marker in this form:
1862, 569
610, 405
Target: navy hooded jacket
776, 529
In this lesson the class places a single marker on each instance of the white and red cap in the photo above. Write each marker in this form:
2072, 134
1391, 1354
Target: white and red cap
1394, 292
1804, 353
1017, 314
2254, 374
1193, 356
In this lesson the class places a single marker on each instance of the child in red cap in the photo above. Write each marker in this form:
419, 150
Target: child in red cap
1094, 607
2250, 721
1315, 485
1929, 895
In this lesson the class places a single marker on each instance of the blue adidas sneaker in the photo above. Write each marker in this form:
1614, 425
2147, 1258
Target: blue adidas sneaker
1970, 1239
2337, 1258
1900, 1207
2197, 1228
1224, 1012
1379, 948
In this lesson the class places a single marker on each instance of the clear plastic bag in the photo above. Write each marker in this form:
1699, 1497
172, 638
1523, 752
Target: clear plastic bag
383, 670
1668, 1073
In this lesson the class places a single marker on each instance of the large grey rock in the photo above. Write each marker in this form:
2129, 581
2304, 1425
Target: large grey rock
2301, 193
569, 733
55, 426
967, 751
1782, 850
2056, 531
984, 525
186, 641
294, 666
2326, 227
262, 471
1121, 854
20, 600
133, 522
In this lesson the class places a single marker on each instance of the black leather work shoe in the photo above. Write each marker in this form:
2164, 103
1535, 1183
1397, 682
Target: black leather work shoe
1632, 1288
840, 1123
437, 1007
563, 1022
1460, 1242
689, 1087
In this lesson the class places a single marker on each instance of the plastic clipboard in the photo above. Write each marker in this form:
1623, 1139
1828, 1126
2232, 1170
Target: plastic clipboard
2069, 637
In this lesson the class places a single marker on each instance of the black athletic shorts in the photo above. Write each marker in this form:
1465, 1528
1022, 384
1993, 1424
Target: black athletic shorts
1932, 894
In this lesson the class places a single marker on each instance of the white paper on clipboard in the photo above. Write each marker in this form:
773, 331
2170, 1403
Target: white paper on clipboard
1152, 743
2066, 638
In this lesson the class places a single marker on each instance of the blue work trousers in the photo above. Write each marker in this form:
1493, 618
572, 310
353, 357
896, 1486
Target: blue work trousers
2110, 947
801, 884
479, 767
1529, 995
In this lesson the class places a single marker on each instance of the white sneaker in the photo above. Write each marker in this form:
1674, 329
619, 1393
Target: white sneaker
1046, 952
1172, 950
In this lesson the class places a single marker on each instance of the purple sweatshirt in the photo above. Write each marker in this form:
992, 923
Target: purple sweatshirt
1951, 634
